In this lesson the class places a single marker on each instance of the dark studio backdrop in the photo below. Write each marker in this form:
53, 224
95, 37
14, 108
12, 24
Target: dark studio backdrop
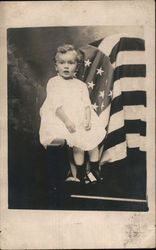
30, 65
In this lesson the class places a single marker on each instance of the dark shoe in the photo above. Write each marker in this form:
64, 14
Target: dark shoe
94, 167
90, 178
81, 173
71, 178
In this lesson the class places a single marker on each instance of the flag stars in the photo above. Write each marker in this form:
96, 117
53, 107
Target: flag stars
102, 94
102, 106
94, 106
87, 63
99, 71
91, 85
110, 93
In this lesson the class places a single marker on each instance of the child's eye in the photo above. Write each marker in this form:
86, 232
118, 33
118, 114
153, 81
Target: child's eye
71, 62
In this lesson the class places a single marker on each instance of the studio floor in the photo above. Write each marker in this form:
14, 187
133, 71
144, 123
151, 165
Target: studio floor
123, 187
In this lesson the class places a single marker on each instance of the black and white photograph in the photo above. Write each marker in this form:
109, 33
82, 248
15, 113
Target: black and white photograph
77, 118
77, 124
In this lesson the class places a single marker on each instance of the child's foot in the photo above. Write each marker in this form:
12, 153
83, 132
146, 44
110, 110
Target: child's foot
70, 177
95, 170
96, 173
90, 178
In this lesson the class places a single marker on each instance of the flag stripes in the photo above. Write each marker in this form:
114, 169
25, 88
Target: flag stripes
131, 114
134, 98
130, 71
128, 99
114, 138
116, 121
127, 123
128, 84
135, 112
142, 145
96, 43
131, 43
135, 126
114, 153
116, 105
134, 140
127, 44
114, 70
130, 57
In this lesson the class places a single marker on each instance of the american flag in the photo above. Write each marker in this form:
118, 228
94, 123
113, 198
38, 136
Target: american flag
97, 72
114, 70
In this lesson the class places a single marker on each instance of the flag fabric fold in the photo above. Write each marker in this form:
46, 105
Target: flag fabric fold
114, 70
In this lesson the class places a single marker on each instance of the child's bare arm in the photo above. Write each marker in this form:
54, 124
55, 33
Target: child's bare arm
87, 118
65, 119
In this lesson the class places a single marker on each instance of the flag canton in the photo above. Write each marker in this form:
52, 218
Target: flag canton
96, 71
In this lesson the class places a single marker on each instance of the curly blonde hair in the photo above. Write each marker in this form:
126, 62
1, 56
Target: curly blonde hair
64, 49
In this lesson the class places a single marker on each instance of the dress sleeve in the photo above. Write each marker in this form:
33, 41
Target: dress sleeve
85, 96
54, 97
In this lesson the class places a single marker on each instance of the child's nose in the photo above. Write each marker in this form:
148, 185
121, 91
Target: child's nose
66, 65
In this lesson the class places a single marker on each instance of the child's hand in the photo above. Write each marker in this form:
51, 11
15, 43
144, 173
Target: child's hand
70, 126
87, 121
87, 125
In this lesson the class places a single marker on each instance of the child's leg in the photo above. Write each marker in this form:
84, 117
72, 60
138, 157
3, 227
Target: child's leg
78, 155
94, 162
71, 162
94, 154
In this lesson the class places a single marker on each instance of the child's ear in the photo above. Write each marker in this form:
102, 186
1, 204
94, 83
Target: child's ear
56, 68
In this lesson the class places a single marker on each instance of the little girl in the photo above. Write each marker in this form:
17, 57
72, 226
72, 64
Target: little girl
67, 113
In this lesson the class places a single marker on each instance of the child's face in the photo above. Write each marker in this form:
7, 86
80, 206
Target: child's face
66, 64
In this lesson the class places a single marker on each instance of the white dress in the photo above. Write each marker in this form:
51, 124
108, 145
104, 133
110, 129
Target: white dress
73, 96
